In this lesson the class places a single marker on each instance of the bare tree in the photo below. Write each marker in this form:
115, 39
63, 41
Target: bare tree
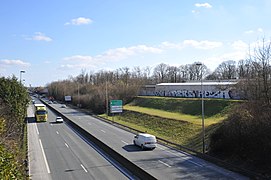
172, 73
194, 71
160, 72
226, 70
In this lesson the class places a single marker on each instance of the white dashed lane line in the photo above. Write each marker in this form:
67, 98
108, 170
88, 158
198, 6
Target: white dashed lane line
164, 163
84, 168
103, 131
124, 142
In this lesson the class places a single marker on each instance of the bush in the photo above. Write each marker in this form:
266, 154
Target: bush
245, 136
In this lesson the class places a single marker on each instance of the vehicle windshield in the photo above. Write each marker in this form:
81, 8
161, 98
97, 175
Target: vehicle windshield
41, 112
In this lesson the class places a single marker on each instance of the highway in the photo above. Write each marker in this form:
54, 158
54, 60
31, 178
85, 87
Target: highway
162, 163
55, 151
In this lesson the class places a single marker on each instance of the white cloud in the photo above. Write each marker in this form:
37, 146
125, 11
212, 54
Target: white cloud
249, 32
258, 30
79, 61
205, 5
202, 44
39, 37
195, 12
240, 45
192, 43
79, 21
212, 62
8, 62
169, 45
47, 62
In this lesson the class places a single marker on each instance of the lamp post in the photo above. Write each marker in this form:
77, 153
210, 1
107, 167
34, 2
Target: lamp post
21, 72
106, 98
78, 93
202, 110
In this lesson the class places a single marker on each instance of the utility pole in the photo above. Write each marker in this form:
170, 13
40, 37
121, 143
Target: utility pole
106, 98
202, 110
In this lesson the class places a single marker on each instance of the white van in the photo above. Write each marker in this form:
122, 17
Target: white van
145, 141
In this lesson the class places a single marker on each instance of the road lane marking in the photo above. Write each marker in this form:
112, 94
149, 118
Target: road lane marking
37, 129
161, 148
45, 160
124, 142
89, 124
102, 154
176, 154
103, 131
57, 132
84, 168
67, 145
164, 163
194, 163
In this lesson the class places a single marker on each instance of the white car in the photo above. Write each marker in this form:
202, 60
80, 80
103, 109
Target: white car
59, 119
145, 141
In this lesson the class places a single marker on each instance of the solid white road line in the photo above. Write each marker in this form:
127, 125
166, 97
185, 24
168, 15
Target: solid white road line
84, 168
164, 163
45, 160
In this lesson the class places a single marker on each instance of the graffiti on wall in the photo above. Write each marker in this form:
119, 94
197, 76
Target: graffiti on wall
196, 94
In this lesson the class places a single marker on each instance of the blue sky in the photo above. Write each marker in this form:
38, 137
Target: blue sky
52, 40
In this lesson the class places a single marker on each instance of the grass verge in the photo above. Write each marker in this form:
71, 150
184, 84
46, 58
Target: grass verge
175, 119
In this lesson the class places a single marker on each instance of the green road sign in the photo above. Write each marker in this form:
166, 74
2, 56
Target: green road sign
116, 106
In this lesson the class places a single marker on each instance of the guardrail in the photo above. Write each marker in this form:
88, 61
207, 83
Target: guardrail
134, 169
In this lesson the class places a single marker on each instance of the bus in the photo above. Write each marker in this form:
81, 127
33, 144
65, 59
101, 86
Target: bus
40, 113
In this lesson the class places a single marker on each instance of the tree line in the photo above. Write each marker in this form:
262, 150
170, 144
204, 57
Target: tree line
253, 74
14, 99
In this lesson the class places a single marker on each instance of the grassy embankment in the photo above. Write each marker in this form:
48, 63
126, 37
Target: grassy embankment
178, 120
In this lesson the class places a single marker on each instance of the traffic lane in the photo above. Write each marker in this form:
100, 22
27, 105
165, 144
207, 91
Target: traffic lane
61, 161
80, 158
156, 159
38, 169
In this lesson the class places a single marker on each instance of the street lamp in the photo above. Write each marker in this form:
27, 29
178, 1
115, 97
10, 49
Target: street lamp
202, 109
21, 72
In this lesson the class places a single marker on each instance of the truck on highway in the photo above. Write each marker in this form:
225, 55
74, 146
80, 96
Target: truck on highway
40, 112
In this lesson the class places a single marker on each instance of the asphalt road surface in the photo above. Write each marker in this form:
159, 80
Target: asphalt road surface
55, 152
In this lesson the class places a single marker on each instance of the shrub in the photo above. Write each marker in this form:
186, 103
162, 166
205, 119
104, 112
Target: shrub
245, 135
